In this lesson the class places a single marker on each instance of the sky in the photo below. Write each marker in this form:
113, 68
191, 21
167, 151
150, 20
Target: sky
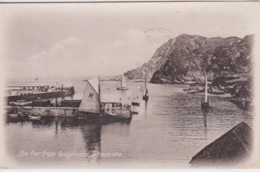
107, 39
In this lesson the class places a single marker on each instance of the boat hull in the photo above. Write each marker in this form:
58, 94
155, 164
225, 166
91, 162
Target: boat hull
204, 105
119, 115
195, 91
86, 115
122, 88
32, 117
13, 115
135, 104
134, 113
106, 119
48, 111
145, 97
217, 93
118, 112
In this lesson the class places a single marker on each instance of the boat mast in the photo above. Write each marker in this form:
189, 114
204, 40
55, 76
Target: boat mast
206, 87
99, 88
122, 81
99, 95
145, 96
145, 83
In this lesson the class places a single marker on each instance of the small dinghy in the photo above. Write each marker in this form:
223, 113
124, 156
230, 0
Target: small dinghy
34, 117
13, 115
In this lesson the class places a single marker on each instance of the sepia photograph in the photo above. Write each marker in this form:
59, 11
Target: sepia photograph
154, 85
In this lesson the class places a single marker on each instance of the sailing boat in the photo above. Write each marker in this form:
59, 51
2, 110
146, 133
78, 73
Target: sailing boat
108, 110
123, 84
205, 102
36, 78
140, 87
134, 102
145, 96
90, 103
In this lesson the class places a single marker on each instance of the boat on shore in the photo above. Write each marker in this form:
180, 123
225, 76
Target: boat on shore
216, 91
195, 91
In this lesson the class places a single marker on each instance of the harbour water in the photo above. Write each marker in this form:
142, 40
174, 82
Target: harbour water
170, 128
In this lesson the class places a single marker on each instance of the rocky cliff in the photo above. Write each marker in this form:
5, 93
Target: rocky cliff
158, 59
187, 57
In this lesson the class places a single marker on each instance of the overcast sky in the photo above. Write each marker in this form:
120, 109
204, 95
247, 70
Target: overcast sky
107, 39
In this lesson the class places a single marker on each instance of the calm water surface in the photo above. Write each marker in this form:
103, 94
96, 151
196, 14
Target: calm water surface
170, 128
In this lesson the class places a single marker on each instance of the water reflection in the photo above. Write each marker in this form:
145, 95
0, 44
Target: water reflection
170, 127
91, 134
205, 122
10, 118
90, 130
145, 110
44, 122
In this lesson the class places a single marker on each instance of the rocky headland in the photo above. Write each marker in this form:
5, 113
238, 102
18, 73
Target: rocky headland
186, 58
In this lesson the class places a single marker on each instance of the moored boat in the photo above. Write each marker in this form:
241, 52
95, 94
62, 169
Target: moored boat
21, 103
145, 96
116, 110
140, 87
134, 112
92, 106
34, 117
205, 102
13, 115
123, 84
135, 102
90, 103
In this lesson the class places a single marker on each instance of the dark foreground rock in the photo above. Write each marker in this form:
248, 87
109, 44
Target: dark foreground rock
231, 148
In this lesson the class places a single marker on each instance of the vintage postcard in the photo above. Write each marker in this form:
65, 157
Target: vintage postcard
129, 85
